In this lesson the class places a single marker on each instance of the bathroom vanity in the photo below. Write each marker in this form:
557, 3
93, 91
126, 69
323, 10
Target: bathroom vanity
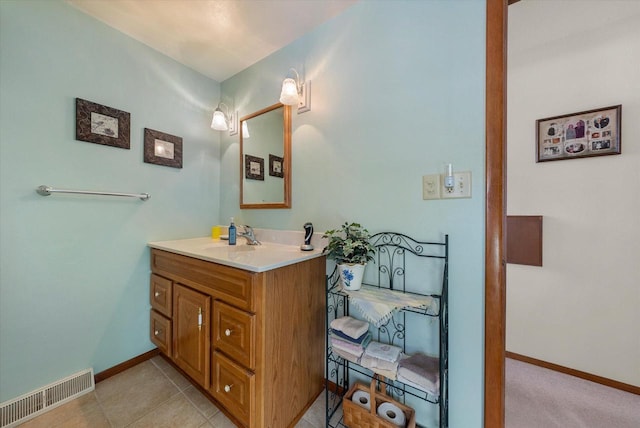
246, 323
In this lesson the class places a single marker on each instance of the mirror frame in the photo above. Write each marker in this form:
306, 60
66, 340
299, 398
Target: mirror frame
286, 126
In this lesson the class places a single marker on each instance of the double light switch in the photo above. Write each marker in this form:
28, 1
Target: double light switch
433, 186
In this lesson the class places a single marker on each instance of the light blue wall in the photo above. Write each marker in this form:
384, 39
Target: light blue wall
397, 92
74, 271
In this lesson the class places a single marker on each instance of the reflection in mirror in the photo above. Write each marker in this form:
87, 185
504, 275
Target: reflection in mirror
265, 158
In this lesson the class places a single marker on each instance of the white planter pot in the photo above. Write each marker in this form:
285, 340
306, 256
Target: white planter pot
351, 276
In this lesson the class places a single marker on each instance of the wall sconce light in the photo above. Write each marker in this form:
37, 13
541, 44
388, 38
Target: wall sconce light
220, 118
224, 120
296, 92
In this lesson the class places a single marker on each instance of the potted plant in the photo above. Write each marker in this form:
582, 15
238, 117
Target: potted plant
349, 246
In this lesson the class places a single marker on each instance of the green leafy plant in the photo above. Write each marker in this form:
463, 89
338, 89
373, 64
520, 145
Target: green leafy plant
349, 244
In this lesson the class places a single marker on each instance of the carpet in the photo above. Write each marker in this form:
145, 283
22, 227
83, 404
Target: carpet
536, 397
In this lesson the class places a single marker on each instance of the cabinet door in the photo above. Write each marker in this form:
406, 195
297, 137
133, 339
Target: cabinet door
191, 332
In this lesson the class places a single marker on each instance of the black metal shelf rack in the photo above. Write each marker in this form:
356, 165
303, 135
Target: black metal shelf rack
392, 253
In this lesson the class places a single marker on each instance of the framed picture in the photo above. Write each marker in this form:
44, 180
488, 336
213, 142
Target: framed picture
100, 124
162, 149
276, 165
578, 135
253, 168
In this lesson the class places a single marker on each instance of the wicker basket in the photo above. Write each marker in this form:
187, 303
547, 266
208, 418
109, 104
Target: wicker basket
359, 417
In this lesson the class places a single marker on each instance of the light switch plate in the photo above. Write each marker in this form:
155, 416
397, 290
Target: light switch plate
233, 123
431, 186
304, 104
461, 186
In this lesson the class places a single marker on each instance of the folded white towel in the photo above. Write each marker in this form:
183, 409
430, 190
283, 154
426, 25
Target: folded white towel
373, 362
431, 388
385, 368
351, 348
389, 374
347, 355
383, 351
350, 326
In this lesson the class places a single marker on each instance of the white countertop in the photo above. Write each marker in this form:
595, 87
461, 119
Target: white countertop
254, 258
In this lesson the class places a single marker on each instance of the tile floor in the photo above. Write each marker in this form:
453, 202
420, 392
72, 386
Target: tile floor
151, 394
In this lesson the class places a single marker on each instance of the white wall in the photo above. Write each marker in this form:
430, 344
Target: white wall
580, 309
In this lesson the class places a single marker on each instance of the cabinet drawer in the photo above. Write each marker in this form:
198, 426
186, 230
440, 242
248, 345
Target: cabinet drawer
234, 333
234, 387
161, 332
233, 285
161, 294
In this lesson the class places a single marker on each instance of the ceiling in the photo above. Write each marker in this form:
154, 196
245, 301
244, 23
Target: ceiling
217, 38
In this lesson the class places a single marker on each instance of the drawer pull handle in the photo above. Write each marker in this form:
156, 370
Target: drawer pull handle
157, 332
157, 294
227, 388
227, 332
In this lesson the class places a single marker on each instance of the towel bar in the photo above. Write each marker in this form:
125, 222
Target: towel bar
47, 190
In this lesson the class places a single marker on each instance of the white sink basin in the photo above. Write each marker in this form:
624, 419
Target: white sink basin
256, 258
218, 245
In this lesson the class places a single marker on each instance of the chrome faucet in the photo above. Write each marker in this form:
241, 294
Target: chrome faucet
249, 236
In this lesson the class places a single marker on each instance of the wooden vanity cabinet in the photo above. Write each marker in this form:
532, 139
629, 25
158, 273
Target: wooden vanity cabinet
253, 340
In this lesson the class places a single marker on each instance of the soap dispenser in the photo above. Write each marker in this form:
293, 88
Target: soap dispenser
232, 233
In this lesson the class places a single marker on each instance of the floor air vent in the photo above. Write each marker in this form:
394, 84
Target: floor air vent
46, 398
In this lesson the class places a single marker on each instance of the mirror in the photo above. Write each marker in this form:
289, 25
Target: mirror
265, 158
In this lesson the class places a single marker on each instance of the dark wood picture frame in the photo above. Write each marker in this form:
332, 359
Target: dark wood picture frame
253, 168
100, 124
578, 135
276, 166
162, 149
